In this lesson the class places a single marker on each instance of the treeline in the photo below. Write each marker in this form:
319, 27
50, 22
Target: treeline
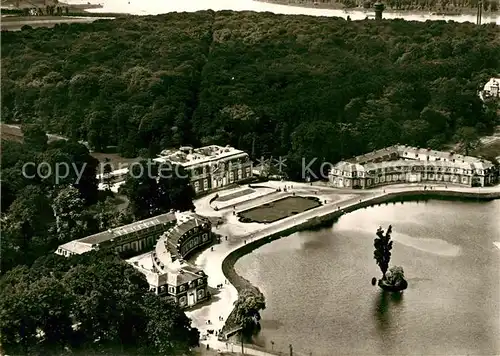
273, 85
50, 196
408, 5
94, 303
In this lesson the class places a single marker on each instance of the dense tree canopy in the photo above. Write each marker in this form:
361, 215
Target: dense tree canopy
154, 189
299, 87
247, 309
37, 211
94, 301
270, 84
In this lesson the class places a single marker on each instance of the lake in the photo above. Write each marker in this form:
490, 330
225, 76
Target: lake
154, 7
320, 299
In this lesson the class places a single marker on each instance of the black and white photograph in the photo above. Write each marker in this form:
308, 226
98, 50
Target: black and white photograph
250, 177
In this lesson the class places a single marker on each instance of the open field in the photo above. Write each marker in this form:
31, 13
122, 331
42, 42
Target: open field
13, 133
279, 209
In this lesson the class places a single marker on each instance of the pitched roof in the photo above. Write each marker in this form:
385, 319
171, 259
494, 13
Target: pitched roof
401, 151
130, 228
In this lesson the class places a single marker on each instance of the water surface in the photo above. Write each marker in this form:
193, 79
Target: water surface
154, 7
320, 299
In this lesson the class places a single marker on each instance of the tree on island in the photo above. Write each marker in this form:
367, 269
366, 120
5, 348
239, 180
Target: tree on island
393, 280
383, 247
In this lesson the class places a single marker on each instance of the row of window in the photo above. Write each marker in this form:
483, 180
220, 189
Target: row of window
193, 243
137, 245
407, 169
429, 176
182, 288
215, 184
134, 245
64, 252
231, 165
183, 300
171, 290
395, 178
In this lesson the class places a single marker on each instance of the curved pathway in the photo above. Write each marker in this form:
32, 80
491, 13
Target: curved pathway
239, 233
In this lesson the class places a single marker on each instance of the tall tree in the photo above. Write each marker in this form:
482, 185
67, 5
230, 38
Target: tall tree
168, 328
247, 309
103, 296
103, 216
82, 168
29, 215
71, 218
106, 174
34, 137
383, 247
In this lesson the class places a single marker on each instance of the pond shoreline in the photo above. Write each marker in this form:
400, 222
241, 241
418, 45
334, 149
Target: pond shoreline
370, 11
240, 283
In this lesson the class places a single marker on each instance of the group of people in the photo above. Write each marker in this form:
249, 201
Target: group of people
430, 187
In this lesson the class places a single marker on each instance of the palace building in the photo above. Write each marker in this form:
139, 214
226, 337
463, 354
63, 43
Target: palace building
165, 268
210, 167
170, 238
129, 239
404, 164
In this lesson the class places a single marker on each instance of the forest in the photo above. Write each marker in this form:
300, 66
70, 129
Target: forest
403, 5
291, 86
273, 85
88, 304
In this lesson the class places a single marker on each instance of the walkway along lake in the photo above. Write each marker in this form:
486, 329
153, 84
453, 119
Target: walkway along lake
322, 215
319, 296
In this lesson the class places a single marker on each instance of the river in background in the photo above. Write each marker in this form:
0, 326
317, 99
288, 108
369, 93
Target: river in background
320, 299
154, 7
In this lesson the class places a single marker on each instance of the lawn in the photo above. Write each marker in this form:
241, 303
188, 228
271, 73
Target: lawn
235, 195
279, 209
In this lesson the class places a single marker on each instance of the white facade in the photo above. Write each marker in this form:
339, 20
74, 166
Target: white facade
211, 167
